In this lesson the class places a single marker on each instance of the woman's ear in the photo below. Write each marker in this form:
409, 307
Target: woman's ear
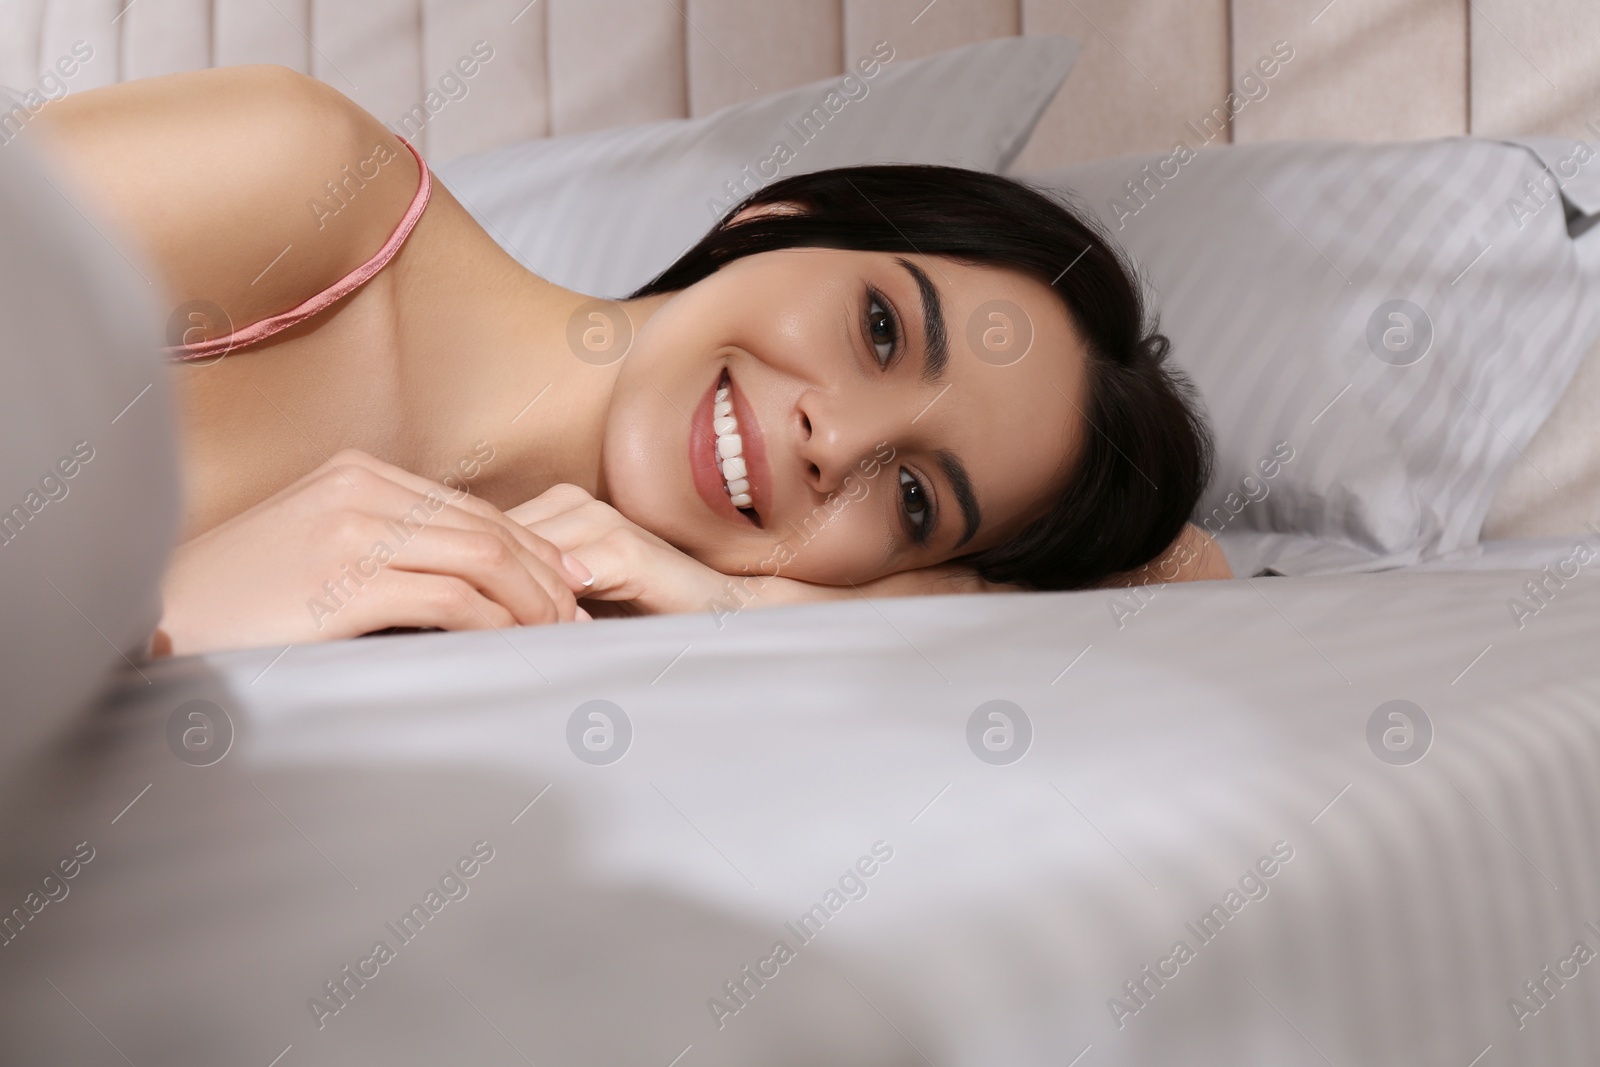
777, 207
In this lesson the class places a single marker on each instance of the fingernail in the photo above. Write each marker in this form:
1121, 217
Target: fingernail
576, 569
583, 616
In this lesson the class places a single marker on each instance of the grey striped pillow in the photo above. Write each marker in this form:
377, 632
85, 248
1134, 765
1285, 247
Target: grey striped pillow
1279, 271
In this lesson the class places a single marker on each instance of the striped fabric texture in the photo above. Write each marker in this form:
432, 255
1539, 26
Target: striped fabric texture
1399, 318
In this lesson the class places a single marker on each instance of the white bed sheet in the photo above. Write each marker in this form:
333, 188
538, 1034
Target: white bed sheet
1173, 748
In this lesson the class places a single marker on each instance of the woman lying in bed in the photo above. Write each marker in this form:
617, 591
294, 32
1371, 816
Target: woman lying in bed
873, 381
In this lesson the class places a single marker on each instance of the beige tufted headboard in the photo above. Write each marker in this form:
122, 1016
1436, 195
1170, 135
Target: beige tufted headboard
1377, 69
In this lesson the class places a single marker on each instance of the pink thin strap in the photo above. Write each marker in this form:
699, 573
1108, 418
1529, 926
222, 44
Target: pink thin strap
335, 292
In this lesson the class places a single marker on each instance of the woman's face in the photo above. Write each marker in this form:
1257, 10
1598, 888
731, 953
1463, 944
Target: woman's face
869, 443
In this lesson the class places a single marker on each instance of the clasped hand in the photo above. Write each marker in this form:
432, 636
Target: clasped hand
359, 545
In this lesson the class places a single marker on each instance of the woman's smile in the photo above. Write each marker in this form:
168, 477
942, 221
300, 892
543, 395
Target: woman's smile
727, 454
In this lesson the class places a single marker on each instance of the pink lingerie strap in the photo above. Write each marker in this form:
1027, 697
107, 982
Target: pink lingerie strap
338, 290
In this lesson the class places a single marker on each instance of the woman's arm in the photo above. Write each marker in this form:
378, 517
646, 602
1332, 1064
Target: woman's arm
359, 545
636, 571
216, 174
1193, 557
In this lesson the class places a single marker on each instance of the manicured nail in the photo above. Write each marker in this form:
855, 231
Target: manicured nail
576, 569
584, 616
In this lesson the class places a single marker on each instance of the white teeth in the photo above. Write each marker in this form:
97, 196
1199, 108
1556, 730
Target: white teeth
730, 449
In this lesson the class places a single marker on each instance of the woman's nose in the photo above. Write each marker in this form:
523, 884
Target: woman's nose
835, 434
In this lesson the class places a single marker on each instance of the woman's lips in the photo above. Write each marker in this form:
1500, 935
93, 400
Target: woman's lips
705, 466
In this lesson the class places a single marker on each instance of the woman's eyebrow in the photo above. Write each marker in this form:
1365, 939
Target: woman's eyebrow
936, 352
961, 485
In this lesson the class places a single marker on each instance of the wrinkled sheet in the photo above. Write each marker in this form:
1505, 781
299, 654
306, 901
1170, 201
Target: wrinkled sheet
1202, 748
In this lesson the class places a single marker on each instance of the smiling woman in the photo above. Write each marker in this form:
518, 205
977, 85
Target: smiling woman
881, 380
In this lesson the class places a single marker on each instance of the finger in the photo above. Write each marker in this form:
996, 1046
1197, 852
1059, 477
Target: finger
562, 573
471, 513
556, 500
419, 498
587, 523
494, 566
406, 598
402, 511
613, 570
627, 571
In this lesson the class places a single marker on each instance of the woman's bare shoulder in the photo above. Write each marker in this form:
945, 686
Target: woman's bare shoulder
1193, 557
252, 187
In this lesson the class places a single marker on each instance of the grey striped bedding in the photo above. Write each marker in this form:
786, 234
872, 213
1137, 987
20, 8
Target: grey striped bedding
1432, 876
1268, 264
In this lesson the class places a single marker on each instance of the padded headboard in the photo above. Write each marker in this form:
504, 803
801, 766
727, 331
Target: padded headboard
1366, 69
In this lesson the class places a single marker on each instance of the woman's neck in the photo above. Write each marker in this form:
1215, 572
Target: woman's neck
513, 382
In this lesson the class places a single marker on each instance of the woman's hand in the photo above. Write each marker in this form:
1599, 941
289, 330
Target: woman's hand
359, 545
634, 571
637, 572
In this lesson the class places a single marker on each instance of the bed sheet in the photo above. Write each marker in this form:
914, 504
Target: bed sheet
1192, 830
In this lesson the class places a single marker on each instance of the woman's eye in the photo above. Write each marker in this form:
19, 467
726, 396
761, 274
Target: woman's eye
881, 329
913, 500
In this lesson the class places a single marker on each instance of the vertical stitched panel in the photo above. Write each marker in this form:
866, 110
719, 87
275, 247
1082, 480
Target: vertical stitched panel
1536, 68
1375, 70
733, 57
66, 22
614, 62
165, 36
263, 31
504, 99
919, 28
373, 54
1146, 70
20, 21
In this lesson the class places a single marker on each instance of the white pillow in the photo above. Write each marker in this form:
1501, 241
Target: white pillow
88, 468
1273, 267
604, 212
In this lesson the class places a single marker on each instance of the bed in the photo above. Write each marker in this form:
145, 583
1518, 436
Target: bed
1017, 884
1339, 810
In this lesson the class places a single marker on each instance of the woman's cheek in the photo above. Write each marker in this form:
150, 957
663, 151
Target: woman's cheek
836, 548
